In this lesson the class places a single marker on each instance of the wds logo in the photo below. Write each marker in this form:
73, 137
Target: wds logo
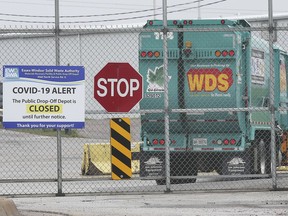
209, 79
11, 73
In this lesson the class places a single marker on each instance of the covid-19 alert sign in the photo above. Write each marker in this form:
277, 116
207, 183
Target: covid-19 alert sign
43, 96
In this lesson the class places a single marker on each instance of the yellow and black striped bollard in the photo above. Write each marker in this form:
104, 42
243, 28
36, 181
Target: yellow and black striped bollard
120, 141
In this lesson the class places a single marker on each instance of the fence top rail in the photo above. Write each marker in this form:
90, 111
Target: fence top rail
37, 32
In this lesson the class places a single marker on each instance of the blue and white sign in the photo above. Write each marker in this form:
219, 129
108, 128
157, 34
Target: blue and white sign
43, 96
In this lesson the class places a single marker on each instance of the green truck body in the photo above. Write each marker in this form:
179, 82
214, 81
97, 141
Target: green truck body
207, 70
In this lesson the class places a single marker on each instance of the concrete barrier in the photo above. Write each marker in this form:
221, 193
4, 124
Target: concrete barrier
97, 159
282, 168
8, 208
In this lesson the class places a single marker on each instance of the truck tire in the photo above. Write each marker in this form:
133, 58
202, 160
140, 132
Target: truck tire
264, 157
262, 154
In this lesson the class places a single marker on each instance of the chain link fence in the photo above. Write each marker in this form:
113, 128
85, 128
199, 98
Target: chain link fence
221, 123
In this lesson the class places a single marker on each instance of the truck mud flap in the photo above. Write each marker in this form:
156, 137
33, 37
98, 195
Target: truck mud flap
236, 164
152, 164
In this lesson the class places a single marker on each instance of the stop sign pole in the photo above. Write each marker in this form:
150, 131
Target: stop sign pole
118, 87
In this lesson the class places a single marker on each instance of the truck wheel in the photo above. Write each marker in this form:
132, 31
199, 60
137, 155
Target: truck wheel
262, 156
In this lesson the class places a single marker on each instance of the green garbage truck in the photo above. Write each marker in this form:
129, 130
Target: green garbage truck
218, 99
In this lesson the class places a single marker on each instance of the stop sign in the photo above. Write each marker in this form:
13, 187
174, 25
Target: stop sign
118, 87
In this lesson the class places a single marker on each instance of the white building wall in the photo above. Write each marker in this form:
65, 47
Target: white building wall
93, 51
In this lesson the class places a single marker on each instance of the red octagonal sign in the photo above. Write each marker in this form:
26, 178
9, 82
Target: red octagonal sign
118, 87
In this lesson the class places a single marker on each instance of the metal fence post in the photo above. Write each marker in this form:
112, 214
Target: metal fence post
272, 96
59, 147
166, 102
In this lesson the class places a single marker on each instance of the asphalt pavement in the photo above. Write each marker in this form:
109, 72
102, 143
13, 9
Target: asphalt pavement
160, 204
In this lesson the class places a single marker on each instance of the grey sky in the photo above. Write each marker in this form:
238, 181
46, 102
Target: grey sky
10, 9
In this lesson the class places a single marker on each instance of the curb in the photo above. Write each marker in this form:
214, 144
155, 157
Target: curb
8, 208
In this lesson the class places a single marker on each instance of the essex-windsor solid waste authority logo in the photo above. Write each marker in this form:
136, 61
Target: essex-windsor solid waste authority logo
11, 72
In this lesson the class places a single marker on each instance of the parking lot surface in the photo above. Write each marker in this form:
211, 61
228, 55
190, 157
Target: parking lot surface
171, 204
